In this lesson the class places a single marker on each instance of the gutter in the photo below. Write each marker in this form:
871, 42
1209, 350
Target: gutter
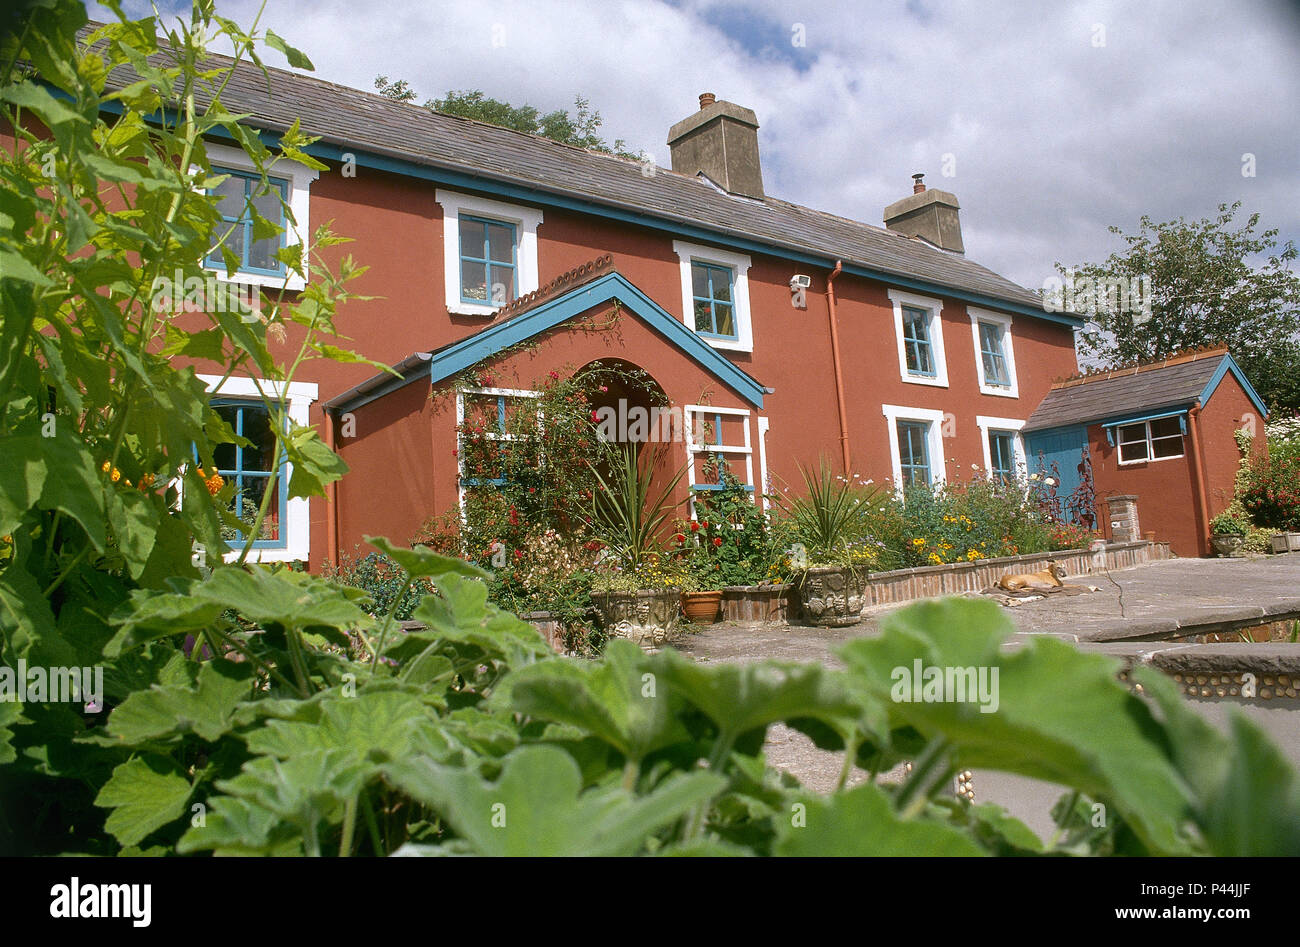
1198, 470
401, 370
835, 362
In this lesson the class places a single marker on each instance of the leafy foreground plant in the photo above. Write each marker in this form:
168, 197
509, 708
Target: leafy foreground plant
470, 737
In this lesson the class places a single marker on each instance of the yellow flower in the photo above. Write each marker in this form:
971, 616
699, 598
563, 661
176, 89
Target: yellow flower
105, 467
918, 542
116, 475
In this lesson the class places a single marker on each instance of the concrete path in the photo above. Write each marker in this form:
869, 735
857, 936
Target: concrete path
1151, 601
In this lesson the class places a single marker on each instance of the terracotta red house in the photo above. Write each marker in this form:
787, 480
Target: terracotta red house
1162, 432
803, 333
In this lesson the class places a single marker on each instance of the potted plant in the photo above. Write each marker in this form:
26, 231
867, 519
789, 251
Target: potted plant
831, 556
697, 545
638, 593
1228, 531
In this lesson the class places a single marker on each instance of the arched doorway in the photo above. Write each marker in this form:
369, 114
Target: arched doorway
638, 414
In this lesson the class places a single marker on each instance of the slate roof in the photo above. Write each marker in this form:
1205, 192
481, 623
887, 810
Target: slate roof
1171, 383
351, 119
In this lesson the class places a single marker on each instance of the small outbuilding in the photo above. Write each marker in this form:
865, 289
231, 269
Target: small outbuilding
1163, 432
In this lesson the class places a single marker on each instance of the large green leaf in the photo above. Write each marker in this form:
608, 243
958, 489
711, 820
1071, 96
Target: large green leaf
10, 714
371, 726
22, 477
1060, 715
164, 713
145, 794
744, 697
536, 807
1247, 794
421, 562
616, 699
862, 822
460, 615
234, 826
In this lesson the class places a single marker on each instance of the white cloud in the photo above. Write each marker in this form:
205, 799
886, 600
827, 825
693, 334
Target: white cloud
1054, 138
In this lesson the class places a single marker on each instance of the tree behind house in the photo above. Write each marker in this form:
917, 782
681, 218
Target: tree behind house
1204, 289
579, 129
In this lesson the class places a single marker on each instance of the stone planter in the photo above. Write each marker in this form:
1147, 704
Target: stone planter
647, 617
702, 607
832, 596
1286, 542
1227, 544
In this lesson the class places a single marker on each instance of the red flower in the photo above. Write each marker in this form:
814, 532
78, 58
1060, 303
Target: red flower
695, 527
595, 418
681, 538
717, 540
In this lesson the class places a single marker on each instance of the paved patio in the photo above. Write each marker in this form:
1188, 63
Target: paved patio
1144, 603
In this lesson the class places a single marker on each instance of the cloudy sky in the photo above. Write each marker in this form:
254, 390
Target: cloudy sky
1050, 121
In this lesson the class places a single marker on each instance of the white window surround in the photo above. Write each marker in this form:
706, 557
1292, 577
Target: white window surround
727, 450
1008, 351
297, 513
460, 419
935, 308
739, 263
764, 425
893, 414
300, 178
987, 424
1150, 457
526, 221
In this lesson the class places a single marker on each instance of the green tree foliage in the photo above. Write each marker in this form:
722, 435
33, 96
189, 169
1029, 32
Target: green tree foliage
1211, 281
580, 128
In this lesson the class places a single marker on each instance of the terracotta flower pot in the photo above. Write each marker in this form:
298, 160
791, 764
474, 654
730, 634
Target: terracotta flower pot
702, 607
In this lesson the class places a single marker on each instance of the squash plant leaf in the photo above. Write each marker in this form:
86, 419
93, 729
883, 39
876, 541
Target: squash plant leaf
145, 794
536, 807
739, 698
164, 713
862, 822
420, 561
616, 699
1056, 714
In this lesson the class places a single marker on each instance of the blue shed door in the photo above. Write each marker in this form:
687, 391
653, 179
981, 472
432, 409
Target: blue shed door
1058, 454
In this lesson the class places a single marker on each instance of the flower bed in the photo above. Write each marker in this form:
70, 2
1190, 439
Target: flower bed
780, 603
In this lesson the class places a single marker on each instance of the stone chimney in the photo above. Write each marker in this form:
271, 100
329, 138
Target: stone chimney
929, 214
721, 139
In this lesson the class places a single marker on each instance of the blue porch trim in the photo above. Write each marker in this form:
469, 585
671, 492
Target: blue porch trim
612, 286
1229, 364
486, 183
1180, 413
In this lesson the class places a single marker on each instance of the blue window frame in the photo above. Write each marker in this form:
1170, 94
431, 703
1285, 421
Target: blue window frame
713, 291
1002, 455
489, 262
993, 357
914, 452
250, 469
237, 196
916, 342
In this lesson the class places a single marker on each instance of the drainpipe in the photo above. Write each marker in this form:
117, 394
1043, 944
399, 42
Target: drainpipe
331, 499
1198, 469
835, 363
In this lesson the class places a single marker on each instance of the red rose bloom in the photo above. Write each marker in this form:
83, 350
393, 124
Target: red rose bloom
695, 527
717, 540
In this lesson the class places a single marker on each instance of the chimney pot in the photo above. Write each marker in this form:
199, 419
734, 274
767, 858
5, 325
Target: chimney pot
918, 185
707, 99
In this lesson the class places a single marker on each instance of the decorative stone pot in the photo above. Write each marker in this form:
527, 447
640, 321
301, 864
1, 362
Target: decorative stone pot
647, 616
1286, 542
1227, 544
832, 596
702, 607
